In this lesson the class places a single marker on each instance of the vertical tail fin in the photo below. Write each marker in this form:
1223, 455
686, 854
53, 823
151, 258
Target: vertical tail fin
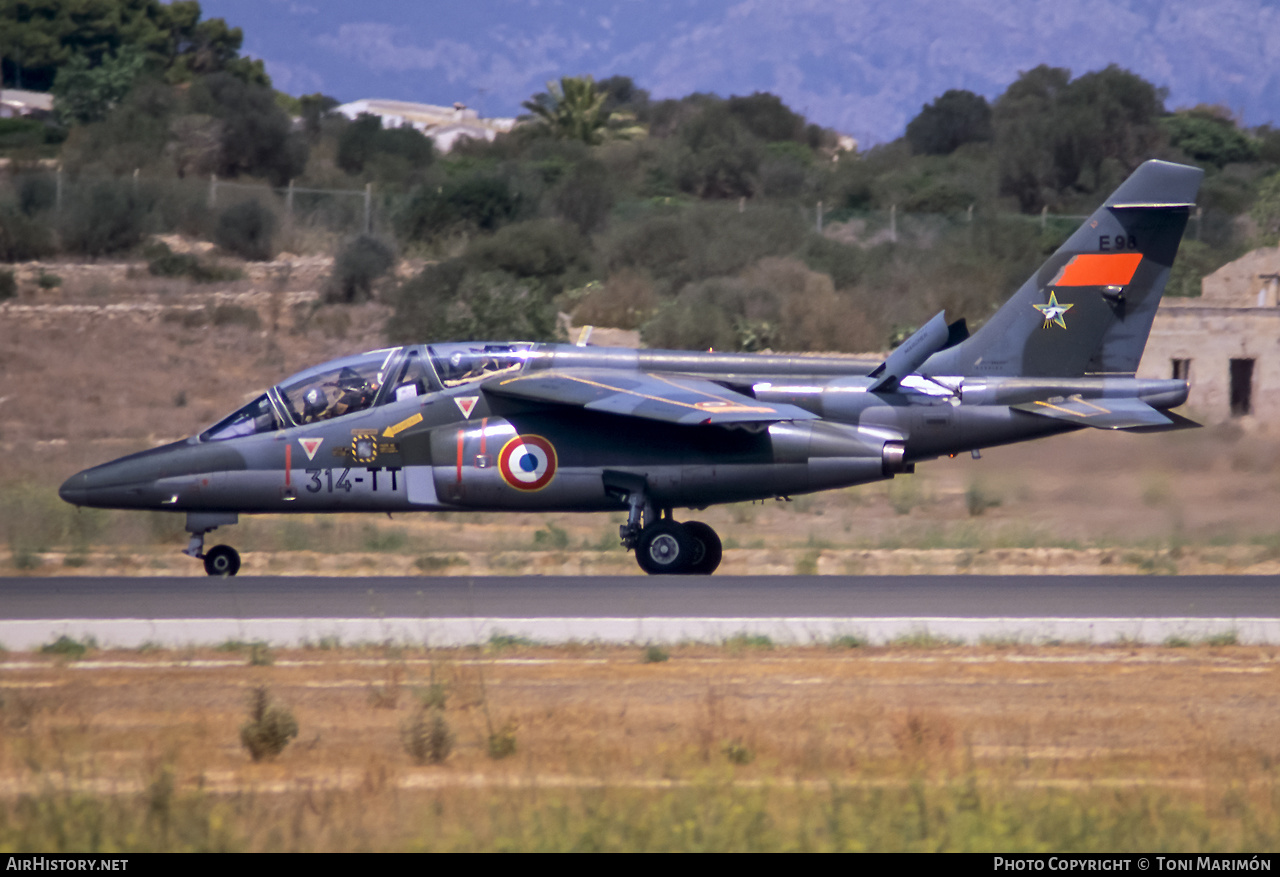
1088, 309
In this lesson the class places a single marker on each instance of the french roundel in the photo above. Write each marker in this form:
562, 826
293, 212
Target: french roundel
527, 462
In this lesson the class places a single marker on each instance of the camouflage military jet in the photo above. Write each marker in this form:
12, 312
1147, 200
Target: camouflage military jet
546, 427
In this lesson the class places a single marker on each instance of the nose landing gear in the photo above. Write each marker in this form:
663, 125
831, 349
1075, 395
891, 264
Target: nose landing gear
220, 560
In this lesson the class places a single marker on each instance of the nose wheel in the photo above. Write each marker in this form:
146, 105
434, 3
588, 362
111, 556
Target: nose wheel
222, 560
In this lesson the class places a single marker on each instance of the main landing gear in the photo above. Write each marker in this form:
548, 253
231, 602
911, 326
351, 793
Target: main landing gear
665, 546
220, 560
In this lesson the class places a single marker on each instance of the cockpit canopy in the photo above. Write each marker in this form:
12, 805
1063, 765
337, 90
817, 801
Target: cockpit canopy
356, 383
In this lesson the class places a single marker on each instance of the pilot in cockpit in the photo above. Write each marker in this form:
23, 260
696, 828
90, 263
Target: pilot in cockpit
349, 392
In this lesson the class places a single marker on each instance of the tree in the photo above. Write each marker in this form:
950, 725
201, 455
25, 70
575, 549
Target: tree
1208, 135
721, 158
1056, 137
621, 92
39, 37
572, 109
956, 118
83, 93
199, 48
767, 117
257, 135
365, 145
1266, 208
315, 107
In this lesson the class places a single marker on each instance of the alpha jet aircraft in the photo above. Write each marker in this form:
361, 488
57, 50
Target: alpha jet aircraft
548, 427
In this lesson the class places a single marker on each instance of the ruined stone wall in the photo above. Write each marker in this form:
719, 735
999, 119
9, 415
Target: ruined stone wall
1210, 337
1244, 283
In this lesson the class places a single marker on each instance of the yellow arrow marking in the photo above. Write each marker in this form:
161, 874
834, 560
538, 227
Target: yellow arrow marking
393, 431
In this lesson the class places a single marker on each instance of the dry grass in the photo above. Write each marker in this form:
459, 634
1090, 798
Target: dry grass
1053, 748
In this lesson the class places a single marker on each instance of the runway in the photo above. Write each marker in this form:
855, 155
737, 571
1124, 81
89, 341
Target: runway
129, 612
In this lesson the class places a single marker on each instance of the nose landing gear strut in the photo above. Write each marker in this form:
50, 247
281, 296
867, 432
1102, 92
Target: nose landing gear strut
220, 560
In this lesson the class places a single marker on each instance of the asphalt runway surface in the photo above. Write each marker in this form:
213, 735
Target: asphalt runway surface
451, 611
605, 596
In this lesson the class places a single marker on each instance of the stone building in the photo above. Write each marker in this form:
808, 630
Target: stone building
1227, 342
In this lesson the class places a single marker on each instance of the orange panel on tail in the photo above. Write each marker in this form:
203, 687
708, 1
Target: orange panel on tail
1100, 269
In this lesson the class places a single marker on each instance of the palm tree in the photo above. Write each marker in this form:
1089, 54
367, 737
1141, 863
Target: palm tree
571, 109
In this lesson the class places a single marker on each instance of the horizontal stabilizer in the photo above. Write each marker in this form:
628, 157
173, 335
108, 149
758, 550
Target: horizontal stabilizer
1100, 413
1176, 422
649, 396
911, 354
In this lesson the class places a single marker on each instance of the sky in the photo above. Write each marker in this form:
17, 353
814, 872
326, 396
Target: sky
863, 67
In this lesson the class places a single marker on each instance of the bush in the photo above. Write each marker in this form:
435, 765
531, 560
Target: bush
247, 229
704, 241
8, 286
776, 304
103, 218
66, 647
37, 193
446, 302
978, 498
585, 196
625, 301
21, 134
542, 249
655, 655
427, 737
362, 261
502, 742
270, 727
164, 262
23, 239
480, 202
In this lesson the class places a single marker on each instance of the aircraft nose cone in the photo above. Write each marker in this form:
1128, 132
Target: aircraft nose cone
75, 489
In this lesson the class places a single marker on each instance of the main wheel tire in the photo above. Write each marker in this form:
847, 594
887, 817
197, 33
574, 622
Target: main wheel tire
706, 560
222, 560
666, 548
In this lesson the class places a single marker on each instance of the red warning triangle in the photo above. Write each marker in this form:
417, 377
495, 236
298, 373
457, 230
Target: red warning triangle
311, 445
466, 404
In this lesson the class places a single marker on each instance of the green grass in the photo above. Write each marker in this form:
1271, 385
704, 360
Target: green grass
966, 814
923, 639
66, 647
551, 537
742, 641
655, 655
500, 640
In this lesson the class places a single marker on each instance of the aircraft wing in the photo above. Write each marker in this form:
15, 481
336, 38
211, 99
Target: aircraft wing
1099, 413
650, 396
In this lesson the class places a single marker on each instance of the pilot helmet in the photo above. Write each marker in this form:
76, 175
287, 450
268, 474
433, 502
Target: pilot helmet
314, 401
349, 379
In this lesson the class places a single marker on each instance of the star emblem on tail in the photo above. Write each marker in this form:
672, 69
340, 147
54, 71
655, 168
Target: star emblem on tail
1053, 312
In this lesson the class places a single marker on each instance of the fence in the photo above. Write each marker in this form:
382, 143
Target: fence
348, 211
888, 220
189, 205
